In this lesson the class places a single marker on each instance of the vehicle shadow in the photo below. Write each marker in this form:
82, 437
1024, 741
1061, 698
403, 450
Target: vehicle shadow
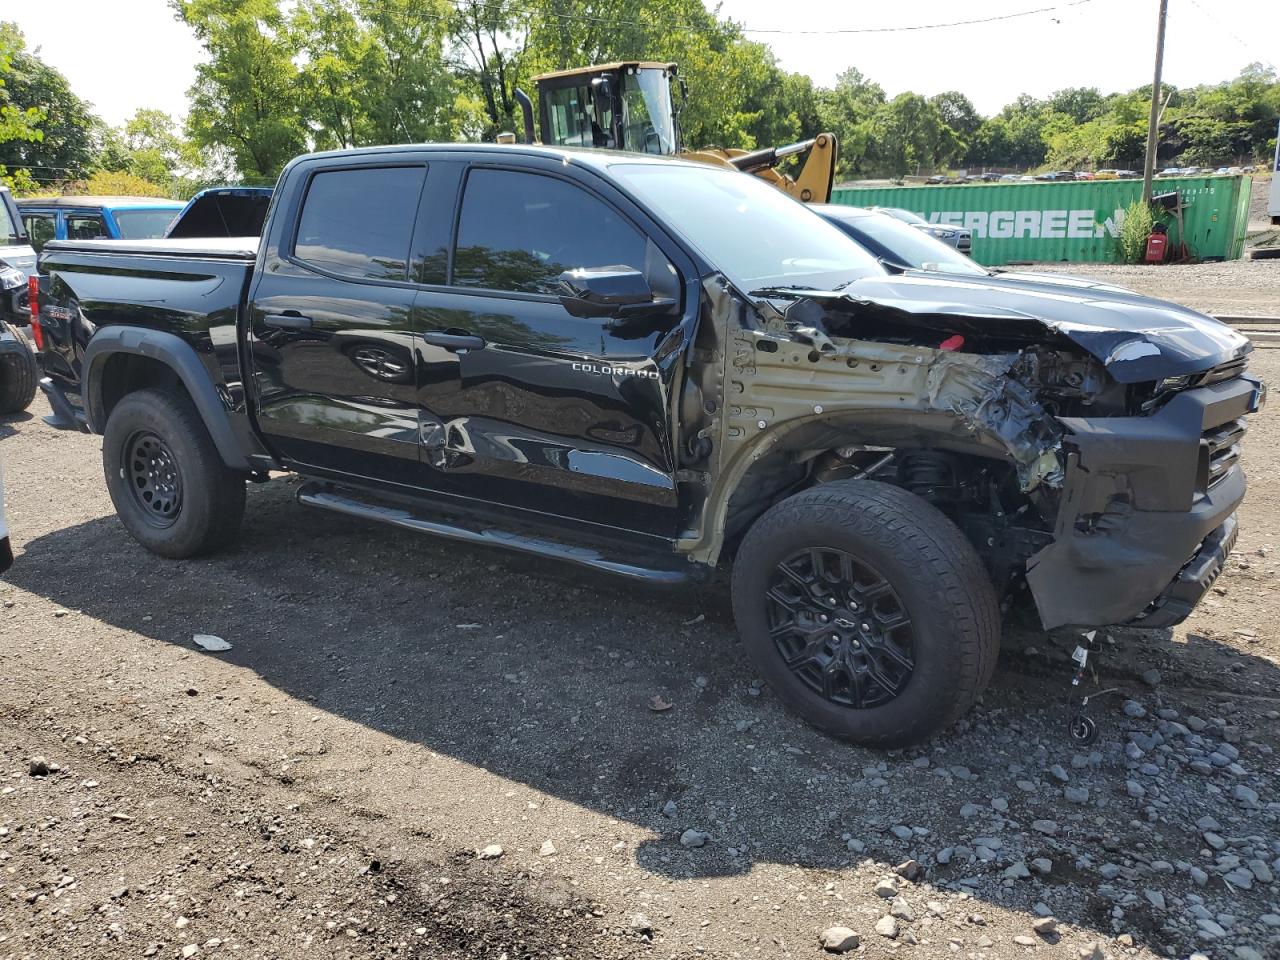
548, 678
9, 420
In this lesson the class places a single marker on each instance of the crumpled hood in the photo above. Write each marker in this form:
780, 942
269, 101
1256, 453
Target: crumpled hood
1136, 338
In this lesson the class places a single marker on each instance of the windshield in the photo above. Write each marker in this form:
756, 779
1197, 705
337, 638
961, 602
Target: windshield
753, 232
646, 112
912, 247
906, 216
9, 235
144, 224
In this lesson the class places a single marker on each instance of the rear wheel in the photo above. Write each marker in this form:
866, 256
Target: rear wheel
168, 483
18, 374
867, 611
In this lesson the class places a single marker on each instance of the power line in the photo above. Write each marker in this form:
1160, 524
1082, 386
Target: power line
930, 26
491, 8
1217, 21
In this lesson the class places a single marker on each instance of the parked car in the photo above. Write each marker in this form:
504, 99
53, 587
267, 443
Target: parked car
1057, 175
17, 363
1127, 174
17, 260
90, 218
1010, 178
223, 212
1083, 175
649, 367
1170, 172
958, 237
898, 246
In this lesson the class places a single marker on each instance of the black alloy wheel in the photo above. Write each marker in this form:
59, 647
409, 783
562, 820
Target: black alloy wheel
154, 478
841, 627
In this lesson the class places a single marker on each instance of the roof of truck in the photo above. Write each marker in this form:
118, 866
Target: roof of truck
96, 202
603, 67
589, 156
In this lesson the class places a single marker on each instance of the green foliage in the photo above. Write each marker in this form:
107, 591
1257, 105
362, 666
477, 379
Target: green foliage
68, 141
18, 124
1134, 231
119, 183
285, 76
246, 98
910, 136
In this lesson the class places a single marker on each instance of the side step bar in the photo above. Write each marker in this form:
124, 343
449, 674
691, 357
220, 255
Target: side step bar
64, 417
327, 497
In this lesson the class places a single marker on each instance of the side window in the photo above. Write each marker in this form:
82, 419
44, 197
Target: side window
40, 228
85, 226
358, 222
520, 231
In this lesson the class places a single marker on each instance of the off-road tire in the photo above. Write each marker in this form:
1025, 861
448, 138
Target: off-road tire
210, 507
18, 374
934, 570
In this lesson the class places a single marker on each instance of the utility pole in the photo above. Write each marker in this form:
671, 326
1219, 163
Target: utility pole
1153, 125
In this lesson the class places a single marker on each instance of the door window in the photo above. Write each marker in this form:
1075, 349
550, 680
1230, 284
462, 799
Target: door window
520, 231
358, 222
40, 228
85, 227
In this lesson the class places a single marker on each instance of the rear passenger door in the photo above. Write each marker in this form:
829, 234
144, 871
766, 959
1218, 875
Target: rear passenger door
331, 326
524, 405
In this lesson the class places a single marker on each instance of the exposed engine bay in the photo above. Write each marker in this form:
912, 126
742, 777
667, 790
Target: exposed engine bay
1085, 464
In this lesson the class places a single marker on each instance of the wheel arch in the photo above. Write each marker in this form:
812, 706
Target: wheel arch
747, 485
121, 360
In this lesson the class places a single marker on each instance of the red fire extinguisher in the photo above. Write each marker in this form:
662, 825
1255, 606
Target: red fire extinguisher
1157, 244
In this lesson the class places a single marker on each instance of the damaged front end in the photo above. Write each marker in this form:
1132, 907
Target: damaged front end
1087, 464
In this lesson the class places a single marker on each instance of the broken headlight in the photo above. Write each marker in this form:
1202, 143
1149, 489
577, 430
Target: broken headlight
11, 279
1174, 383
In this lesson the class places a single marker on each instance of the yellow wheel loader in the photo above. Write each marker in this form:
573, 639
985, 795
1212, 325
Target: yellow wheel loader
629, 106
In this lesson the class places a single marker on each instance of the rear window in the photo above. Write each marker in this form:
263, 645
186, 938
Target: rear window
144, 224
358, 223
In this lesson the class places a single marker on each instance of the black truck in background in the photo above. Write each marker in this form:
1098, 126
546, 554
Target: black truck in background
653, 368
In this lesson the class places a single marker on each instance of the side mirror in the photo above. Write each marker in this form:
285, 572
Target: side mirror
616, 291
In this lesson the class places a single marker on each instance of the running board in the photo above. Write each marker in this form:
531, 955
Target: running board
326, 497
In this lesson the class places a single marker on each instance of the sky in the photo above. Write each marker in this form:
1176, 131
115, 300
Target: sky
121, 55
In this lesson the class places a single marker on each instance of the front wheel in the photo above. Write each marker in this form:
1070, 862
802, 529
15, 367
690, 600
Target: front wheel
867, 612
169, 485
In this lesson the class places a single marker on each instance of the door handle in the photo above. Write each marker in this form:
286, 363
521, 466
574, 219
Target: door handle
287, 321
454, 341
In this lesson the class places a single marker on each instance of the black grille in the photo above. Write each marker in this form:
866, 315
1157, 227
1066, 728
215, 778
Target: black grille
1220, 451
1223, 371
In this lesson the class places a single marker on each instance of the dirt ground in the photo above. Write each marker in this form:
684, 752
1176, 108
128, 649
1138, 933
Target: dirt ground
392, 705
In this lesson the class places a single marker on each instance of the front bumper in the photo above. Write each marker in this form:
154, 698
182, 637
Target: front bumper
1147, 515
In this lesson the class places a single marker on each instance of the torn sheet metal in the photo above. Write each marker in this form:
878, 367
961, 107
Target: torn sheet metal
1138, 339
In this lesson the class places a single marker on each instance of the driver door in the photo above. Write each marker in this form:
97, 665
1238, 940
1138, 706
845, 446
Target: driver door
523, 404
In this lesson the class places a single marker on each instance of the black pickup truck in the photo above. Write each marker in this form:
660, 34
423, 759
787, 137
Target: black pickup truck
653, 368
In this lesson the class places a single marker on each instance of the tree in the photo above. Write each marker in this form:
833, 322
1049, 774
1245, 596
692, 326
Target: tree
18, 124
246, 97
846, 110
69, 131
908, 135
958, 113
374, 72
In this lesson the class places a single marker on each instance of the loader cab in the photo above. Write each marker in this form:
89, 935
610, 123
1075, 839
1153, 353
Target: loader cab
615, 106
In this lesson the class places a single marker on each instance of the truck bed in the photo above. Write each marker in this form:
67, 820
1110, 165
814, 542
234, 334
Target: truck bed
204, 248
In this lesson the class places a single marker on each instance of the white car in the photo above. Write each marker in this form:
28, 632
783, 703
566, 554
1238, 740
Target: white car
953, 236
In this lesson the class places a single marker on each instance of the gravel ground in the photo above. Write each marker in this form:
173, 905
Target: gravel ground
1246, 288
414, 749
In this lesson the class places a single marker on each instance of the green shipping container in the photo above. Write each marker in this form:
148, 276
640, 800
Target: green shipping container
1076, 220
